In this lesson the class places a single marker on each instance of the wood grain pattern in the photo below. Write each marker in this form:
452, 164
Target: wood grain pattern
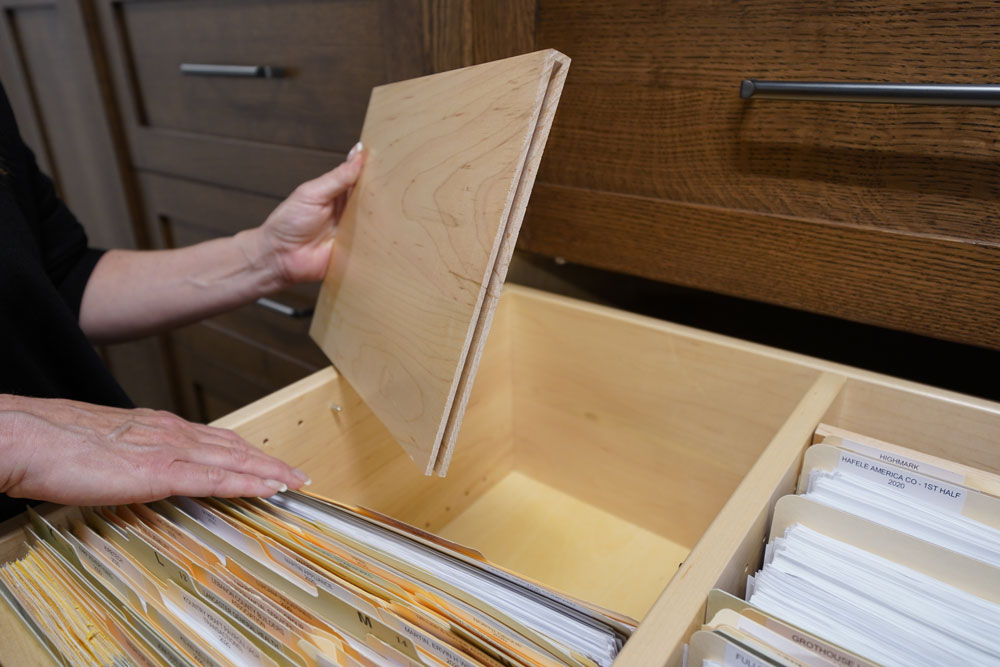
460, 33
260, 135
337, 52
505, 252
937, 287
419, 241
652, 110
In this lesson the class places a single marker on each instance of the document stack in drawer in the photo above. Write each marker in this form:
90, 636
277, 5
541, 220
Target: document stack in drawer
292, 580
886, 556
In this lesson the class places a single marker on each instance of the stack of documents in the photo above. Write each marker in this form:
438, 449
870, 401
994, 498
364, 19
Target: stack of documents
886, 557
291, 580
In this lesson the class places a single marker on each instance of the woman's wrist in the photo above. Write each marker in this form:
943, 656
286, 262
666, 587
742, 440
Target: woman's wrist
264, 260
12, 418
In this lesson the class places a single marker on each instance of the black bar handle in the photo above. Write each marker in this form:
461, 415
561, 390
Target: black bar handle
884, 93
284, 308
244, 71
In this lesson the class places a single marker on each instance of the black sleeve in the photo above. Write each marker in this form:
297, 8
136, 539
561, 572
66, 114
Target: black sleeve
63, 242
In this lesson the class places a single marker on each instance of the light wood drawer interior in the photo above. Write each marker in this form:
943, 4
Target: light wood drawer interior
937, 422
596, 450
945, 425
627, 461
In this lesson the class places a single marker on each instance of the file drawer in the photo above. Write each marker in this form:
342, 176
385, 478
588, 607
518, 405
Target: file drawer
624, 460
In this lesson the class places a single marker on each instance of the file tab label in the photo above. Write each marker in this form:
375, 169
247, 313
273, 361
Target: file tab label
919, 487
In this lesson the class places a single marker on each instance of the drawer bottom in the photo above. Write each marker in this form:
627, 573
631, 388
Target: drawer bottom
545, 534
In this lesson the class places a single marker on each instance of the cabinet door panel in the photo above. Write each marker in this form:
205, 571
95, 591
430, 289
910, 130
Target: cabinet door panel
220, 372
53, 84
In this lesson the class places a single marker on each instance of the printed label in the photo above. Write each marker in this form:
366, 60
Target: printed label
916, 486
246, 607
737, 657
425, 641
831, 653
796, 651
903, 462
224, 634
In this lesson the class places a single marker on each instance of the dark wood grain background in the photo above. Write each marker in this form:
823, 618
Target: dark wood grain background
657, 179
881, 214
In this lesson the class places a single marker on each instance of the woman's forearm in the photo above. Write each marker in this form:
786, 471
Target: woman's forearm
132, 294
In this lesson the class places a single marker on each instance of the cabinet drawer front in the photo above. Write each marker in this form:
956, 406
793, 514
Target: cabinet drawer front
829, 207
219, 371
326, 57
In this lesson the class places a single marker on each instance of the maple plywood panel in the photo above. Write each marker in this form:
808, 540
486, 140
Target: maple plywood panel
504, 256
419, 240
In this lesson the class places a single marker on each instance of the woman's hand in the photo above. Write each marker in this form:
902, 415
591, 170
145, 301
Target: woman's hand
82, 454
133, 293
299, 232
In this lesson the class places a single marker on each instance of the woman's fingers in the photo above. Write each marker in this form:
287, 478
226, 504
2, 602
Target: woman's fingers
77, 453
246, 460
183, 478
212, 446
336, 181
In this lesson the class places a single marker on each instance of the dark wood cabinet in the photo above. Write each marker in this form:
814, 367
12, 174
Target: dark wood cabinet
879, 214
261, 134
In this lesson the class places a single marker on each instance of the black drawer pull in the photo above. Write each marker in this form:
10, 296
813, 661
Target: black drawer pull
247, 71
885, 93
284, 308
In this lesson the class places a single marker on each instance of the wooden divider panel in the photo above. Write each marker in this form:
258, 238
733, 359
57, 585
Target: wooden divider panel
418, 243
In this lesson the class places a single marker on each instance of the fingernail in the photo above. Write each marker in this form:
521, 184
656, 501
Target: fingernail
358, 147
301, 476
280, 487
